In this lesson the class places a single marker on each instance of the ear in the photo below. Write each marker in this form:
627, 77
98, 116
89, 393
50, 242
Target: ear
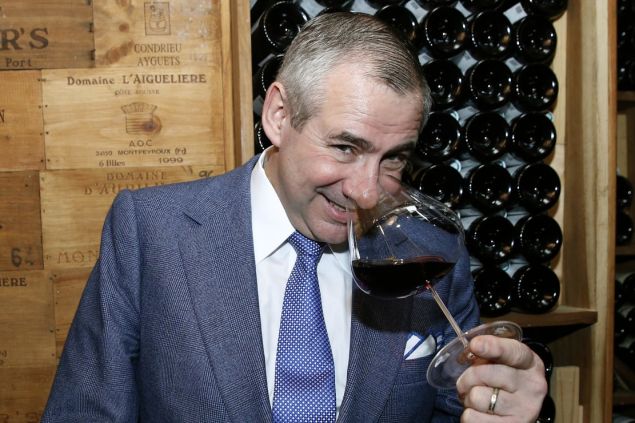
275, 113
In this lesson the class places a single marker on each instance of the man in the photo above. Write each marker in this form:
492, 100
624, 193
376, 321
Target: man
186, 318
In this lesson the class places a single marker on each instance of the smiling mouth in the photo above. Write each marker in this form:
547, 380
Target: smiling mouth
337, 206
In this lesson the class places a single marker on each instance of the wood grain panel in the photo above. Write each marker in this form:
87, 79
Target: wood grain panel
143, 34
27, 336
21, 125
23, 393
75, 202
37, 34
20, 223
68, 286
98, 118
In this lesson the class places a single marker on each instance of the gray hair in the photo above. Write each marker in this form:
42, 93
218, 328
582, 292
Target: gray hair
334, 38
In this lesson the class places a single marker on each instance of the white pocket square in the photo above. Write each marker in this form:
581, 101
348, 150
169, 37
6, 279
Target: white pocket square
417, 346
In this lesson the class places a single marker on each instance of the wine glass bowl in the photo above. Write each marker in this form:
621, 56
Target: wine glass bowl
407, 241
405, 244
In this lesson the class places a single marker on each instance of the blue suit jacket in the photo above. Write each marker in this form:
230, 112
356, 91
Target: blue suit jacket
168, 328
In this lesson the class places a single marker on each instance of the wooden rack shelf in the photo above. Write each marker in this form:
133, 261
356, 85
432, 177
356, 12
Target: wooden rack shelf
624, 394
625, 250
626, 96
624, 398
561, 316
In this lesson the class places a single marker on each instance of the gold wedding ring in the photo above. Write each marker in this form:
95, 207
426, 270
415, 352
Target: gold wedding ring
492, 400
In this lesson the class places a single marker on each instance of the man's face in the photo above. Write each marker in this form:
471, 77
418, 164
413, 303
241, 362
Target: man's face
344, 155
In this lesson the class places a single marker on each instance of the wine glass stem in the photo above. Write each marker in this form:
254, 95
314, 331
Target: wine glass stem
446, 312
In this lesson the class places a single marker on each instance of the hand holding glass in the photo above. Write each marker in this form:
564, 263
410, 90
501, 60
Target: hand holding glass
403, 246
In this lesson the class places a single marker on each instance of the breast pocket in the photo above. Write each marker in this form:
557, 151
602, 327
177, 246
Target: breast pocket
413, 371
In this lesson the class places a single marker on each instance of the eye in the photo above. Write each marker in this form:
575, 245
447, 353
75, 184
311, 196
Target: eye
345, 148
396, 161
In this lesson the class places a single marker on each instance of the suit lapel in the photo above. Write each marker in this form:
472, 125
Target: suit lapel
217, 252
378, 339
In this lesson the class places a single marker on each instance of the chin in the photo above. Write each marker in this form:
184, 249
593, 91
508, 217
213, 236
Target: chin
333, 235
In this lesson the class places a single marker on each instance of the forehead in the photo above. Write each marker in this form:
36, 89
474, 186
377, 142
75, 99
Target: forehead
350, 94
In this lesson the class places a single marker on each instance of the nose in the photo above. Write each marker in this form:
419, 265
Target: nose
362, 187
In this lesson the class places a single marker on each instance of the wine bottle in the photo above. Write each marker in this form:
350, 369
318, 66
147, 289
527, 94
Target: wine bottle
340, 4
626, 73
257, 9
534, 88
261, 142
490, 35
490, 239
380, 3
619, 292
627, 311
431, 4
443, 32
446, 82
547, 411
620, 328
537, 288
625, 350
440, 137
544, 352
402, 20
486, 136
442, 182
623, 228
493, 289
626, 284
276, 28
624, 192
626, 8
538, 238
536, 186
550, 9
489, 84
476, 6
534, 40
265, 75
533, 137
489, 187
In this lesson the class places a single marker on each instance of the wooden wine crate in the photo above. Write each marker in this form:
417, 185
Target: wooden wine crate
20, 222
113, 118
21, 126
143, 34
27, 337
23, 393
68, 286
36, 34
75, 202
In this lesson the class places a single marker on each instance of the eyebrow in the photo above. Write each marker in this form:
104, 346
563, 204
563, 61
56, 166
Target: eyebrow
366, 145
353, 139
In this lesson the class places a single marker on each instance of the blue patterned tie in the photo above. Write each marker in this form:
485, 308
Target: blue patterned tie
304, 387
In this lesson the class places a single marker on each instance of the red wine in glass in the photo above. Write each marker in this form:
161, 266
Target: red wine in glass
399, 278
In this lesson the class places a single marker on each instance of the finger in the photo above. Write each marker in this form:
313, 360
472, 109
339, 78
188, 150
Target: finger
503, 350
487, 400
506, 377
471, 415
488, 375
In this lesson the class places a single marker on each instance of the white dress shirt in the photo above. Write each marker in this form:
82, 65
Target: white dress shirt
275, 259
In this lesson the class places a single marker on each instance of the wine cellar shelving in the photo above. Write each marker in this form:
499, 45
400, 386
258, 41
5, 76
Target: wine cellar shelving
579, 327
584, 116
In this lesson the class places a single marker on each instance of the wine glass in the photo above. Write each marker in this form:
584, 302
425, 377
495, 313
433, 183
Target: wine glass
401, 247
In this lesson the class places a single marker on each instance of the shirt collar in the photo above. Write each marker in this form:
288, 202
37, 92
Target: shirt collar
269, 222
270, 225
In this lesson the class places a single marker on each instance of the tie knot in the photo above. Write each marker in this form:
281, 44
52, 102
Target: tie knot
305, 246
